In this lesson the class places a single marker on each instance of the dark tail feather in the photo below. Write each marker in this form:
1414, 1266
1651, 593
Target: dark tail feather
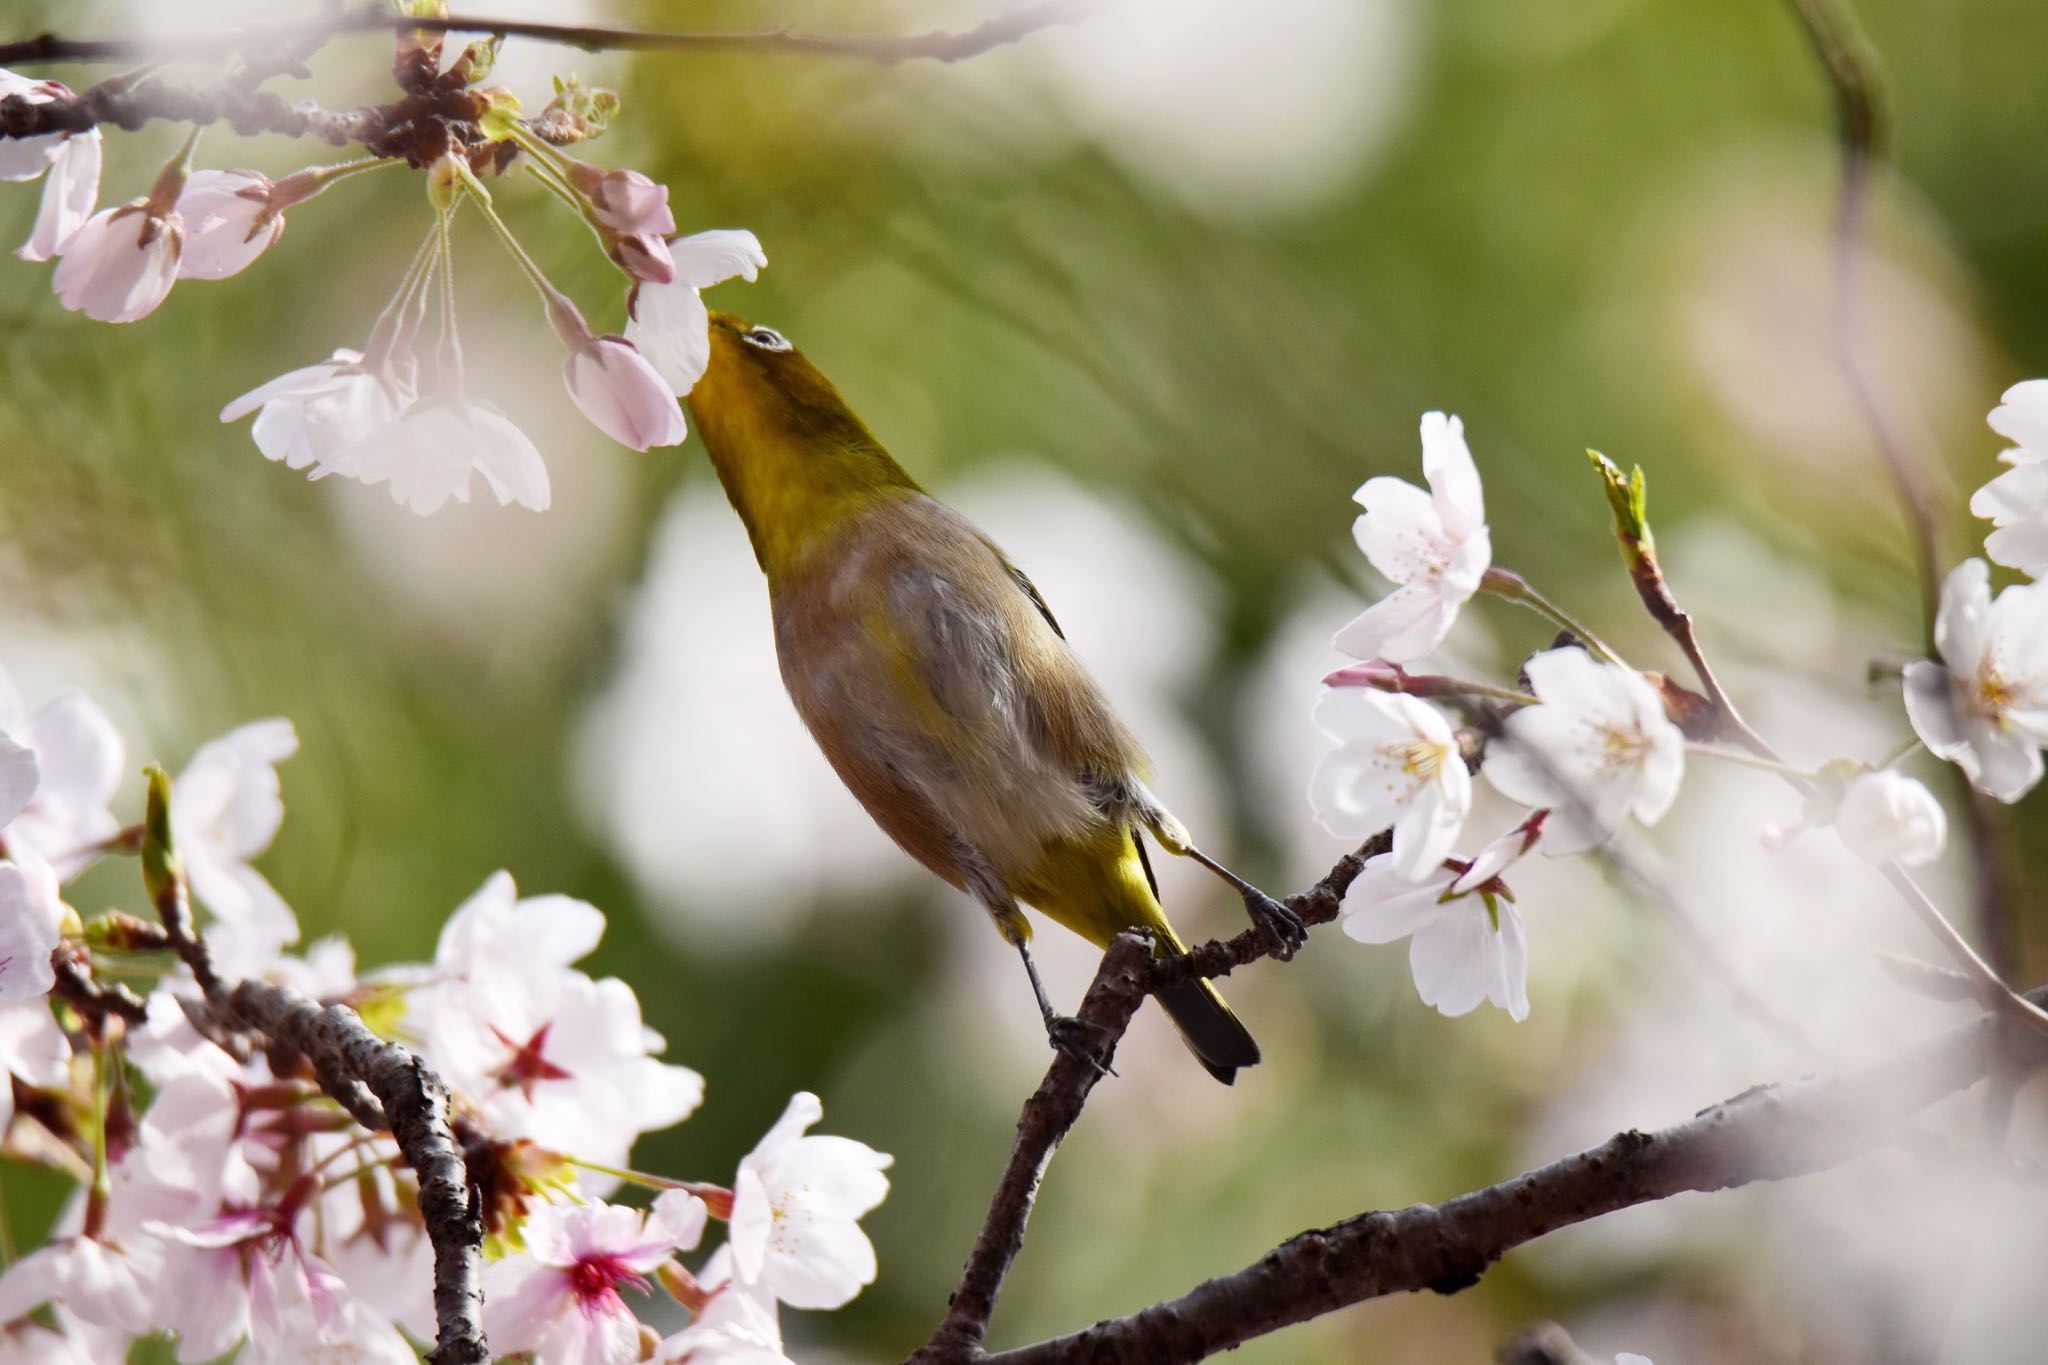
1219, 1041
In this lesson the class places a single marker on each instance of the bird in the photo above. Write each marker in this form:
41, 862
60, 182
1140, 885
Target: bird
934, 677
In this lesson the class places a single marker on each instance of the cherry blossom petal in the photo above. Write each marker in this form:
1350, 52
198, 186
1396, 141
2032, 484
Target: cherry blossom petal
69, 196
1453, 478
120, 265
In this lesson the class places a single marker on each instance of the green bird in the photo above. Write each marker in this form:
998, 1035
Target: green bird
935, 679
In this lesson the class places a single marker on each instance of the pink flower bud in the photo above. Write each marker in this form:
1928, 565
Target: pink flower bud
1388, 677
622, 394
644, 256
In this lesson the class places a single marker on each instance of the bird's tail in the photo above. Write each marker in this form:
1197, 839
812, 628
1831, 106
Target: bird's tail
1210, 1028
1220, 1042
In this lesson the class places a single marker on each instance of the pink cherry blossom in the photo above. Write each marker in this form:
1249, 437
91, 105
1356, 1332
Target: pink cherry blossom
229, 222
622, 394
122, 263
561, 1299
71, 161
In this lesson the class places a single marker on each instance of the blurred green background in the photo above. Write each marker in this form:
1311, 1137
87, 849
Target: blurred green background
1203, 264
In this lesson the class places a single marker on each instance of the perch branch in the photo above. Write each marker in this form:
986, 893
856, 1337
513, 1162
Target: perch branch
1768, 1133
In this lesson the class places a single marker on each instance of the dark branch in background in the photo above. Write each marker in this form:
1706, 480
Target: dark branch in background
1769, 1133
1860, 133
887, 49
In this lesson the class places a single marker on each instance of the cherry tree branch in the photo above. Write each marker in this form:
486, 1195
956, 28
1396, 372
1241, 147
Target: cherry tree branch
887, 49
387, 1087
1764, 1134
1129, 973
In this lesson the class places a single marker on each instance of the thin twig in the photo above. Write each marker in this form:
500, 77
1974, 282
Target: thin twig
888, 49
1861, 129
1767, 1133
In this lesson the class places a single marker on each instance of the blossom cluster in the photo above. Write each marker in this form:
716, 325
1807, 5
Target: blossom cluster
1587, 743
384, 413
224, 1198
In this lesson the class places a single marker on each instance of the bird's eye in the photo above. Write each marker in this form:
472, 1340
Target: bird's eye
765, 338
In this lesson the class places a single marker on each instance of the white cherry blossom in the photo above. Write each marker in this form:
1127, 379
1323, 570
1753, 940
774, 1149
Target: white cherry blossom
1502, 854
2016, 502
76, 759
496, 932
1987, 710
1597, 750
31, 921
429, 452
736, 1326
308, 417
19, 776
121, 263
1888, 817
33, 1048
1434, 546
796, 1207
1397, 764
71, 162
1462, 949
229, 222
225, 810
670, 324
560, 1298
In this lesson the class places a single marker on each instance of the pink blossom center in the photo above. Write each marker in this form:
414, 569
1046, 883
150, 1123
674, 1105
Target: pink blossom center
527, 1066
596, 1278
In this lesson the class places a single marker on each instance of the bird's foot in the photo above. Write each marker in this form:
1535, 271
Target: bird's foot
1078, 1039
1283, 930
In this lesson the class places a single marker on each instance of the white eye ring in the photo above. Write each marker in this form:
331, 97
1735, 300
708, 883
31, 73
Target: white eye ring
765, 339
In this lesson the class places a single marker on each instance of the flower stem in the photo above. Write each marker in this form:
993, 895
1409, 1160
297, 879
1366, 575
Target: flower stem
1749, 760
1504, 583
562, 312
102, 1188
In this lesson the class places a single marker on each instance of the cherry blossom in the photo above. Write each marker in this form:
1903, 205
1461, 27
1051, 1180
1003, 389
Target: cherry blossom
76, 757
72, 164
1434, 546
1986, 710
308, 417
229, 222
795, 1211
1462, 949
2016, 502
623, 395
1397, 763
19, 776
561, 1301
1888, 817
428, 453
1631, 1358
1598, 749
633, 219
32, 1048
1503, 853
496, 931
226, 808
31, 921
122, 263
736, 1326
669, 322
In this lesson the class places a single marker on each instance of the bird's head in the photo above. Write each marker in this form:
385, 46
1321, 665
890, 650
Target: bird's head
793, 457
758, 386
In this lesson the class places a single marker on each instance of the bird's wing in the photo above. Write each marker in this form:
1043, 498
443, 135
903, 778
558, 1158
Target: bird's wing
1031, 591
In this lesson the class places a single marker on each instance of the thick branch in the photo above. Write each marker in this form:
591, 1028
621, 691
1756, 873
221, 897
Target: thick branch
1769, 1133
1128, 974
385, 1086
874, 47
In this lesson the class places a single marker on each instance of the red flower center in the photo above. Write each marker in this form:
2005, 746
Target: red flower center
527, 1067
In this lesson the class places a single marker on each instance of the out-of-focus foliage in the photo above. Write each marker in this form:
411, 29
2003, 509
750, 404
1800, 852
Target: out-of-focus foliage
1154, 295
